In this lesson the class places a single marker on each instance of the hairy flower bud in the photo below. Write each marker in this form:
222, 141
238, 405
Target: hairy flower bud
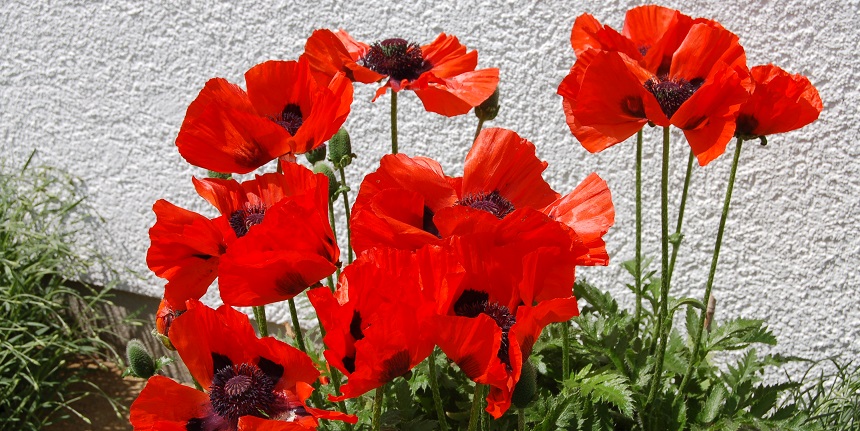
340, 149
325, 169
316, 155
219, 175
140, 362
489, 108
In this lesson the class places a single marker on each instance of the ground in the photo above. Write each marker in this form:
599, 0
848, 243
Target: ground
98, 409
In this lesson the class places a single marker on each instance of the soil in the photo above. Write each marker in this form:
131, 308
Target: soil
97, 408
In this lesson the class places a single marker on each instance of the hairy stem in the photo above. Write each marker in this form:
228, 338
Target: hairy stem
300, 339
260, 318
474, 417
377, 407
346, 209
393, 122
434, 387
478, 131
664, 274
725, 215
676, 244
638, 315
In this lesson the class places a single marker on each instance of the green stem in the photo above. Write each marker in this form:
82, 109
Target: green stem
393, 122
565, 349
521, 420
638, 315
346, 209
701, 324
434, 387
664, 274
260, 318
300, 339
676, 244
478, 132
476, 407
377, 407
331, 220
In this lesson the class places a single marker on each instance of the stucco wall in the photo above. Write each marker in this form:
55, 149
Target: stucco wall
100, 88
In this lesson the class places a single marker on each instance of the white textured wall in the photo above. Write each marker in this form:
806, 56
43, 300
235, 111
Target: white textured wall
101, 88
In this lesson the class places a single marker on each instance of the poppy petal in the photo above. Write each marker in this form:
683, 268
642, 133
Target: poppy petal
502, 161
165, 405
185, 249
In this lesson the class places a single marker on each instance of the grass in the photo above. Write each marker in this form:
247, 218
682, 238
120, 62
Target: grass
45, 324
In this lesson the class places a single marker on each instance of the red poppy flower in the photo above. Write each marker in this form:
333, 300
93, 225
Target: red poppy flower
374, 321
409, 202
285, 112
485, 321
780, 102
609, 96
272, 240
248, 381
442, 73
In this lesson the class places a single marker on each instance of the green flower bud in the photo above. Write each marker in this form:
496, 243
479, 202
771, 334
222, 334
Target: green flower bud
340, 149
325, 169
526, 387
220, 175
316, 155
140, 362
489, 108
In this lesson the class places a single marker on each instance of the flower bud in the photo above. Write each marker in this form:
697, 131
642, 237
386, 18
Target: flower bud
140, 363
340, 149
489, 108
526, 387
219, 175
325, 169
316, 155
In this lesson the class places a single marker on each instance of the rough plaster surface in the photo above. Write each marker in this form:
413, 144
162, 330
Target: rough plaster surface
100, 88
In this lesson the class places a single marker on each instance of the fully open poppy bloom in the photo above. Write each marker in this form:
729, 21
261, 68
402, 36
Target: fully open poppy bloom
610, 96
285, 112
374, 324
780, 102
409, 202
249, 382
271, 242
485, 318
442, 73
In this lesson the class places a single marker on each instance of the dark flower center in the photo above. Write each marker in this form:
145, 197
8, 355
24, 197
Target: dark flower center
355, 326
427, 223
241, 390
472, 303
396, 58
492, 203
672, 93
242, 220
745, 125
290, 118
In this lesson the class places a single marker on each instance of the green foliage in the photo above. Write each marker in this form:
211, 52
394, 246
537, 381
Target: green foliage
45, 325
830, 396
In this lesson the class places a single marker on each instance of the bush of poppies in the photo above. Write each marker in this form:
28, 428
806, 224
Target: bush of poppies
456, 304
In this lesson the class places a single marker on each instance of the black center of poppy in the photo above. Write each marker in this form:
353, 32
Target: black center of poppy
427, 223
241, 390
290, 118
472, 303
355, 326
672, 93
396, 58
242, 220
492, 203
745, 125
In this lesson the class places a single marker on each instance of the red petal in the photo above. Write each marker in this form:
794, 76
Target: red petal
164, 405
185, 249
